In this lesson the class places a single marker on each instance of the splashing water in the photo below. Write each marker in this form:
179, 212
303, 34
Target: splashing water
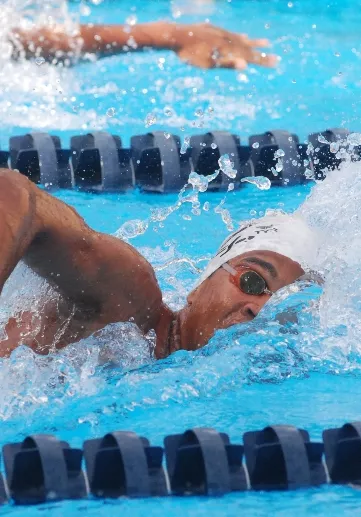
260, 182
226, 166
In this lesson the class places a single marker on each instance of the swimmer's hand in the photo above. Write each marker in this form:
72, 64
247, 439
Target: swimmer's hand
207, 46
202, 45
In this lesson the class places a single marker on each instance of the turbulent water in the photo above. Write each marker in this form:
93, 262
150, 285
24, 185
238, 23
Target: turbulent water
300, 331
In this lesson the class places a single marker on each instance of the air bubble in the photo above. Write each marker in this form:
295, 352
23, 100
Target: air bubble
255, 145
213, 145
111, 112
39, 60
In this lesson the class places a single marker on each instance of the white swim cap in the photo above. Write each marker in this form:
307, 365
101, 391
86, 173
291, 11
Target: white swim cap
286, 234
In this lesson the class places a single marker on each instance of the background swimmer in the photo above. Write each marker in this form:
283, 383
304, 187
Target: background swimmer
103, 280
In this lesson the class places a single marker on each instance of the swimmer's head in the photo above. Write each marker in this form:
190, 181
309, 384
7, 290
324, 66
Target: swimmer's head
278, 247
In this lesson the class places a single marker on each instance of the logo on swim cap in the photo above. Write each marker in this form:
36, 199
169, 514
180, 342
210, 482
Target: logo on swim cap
237, 237
285, 234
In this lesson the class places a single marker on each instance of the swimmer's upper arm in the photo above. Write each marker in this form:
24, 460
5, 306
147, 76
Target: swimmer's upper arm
106, 278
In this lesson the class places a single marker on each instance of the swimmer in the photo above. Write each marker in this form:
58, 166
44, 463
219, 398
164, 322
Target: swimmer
102, 280
202, 45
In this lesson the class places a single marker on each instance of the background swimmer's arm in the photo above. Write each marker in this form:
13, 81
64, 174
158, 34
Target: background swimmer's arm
106, 279
202, 45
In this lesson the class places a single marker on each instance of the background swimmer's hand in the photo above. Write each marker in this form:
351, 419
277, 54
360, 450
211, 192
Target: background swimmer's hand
207, 46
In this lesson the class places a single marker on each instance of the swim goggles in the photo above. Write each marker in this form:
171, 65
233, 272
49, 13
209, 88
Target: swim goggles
251, 282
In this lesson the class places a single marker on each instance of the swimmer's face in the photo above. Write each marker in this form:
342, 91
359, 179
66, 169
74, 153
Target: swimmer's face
218, 303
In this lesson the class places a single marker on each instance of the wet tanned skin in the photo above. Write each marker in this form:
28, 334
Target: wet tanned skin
218, 304
101, 279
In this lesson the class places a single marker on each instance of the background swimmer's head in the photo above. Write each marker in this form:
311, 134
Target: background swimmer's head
278, 247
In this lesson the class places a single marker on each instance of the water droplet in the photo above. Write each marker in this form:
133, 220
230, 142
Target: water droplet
260, 182
242, 78
354, 139
39, 60
132, 43
198, 181
279, 166
168, 111
132, 229
185, 144
334, 146
322, 139
279, 153
131, 20
226, 166
111, 112
255, 145
161, 62
84, 10
150, 120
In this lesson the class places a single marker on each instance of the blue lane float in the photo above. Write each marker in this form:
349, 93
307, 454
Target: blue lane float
201, 461
158, 162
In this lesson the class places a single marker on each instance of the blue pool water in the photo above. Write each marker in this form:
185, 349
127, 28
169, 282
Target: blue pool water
246, 377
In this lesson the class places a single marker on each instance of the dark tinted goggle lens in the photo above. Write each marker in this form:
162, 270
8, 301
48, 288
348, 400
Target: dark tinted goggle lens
252, 283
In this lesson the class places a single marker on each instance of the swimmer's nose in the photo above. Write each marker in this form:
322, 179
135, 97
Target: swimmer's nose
252, 308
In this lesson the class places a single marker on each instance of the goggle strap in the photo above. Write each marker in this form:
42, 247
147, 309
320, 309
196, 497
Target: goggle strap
230, 269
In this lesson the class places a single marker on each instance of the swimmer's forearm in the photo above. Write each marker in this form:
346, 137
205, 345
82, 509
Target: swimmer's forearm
96, 39
111, 39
